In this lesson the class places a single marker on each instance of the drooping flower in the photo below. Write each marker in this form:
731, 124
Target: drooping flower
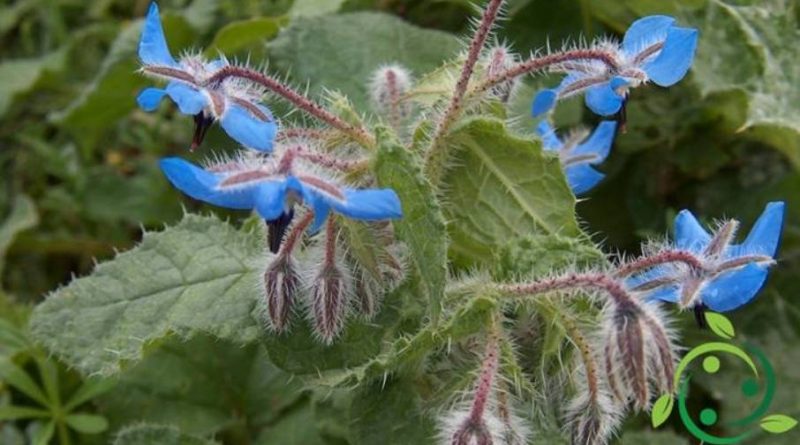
652, 50
233, 103
731, 274
577, 157
273, 186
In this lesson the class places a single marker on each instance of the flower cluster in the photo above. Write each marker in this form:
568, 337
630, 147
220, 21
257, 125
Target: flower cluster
273, 178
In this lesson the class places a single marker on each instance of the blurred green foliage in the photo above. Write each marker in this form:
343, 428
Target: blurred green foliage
81, 181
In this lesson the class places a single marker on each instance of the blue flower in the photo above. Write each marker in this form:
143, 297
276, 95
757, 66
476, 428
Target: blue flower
577, 158
233, 103
732, 274
653, 49
272, 192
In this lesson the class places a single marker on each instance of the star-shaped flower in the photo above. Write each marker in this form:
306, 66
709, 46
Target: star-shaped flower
731, 274
577, 157
653, 49
234, 103
273, 187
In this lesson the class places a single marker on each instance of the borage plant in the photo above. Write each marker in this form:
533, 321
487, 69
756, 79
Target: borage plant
448, 293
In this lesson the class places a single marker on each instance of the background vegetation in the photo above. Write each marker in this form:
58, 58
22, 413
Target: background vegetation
81, 181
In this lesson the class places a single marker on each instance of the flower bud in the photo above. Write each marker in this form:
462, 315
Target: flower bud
387, 87
499, 60
329, 295
281, 282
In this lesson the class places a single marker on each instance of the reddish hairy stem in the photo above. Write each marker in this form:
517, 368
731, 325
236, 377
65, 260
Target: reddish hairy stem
668, 256
475, 47
595, 281
482, 391
539, 63
330, 243
359, 134
296, 233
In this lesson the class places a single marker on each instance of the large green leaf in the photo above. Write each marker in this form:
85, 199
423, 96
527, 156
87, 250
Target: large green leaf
422, 226
501, 187
752, 47
112, 93
20, 75
23, 216
147, 434
202, 386
199, 276
244, 35
310, 8
340, 52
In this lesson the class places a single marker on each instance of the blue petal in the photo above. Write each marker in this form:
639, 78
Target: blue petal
321, 211
270, 199
543, 102
202, 185
247, 129
765, 235
153, 48
734, 289
645, 31
550, 140
582, 178
369, 205
189, 100
149, 98
216, 64
675, 57
689, 234
603, 99
669, 294
599, 143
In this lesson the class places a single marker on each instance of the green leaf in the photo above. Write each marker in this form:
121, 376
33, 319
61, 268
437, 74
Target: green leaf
244, 34
21, 75
91, 388
340, 52
87, 423
148, 434
23, 216
21, 412
540, 254
43, 435
720, 325
422, 227
662, 408
500, 187
202, 386
112, 93
298, 427
390, 412
777, 423
17, 377
756, 45
200, 276
310, 8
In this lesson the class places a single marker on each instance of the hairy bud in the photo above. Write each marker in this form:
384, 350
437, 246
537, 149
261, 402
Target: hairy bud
387, 87
329, 302
281, 282
499, 60
638, 352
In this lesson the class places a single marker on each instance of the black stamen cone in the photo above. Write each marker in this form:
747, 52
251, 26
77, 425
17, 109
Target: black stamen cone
700, 315
276, 229
622, 117
201, 125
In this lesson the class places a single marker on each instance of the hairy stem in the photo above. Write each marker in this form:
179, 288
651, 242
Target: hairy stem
357, 133
457, 100
589, 363
296, 233
665, 257
484, 388
590, 281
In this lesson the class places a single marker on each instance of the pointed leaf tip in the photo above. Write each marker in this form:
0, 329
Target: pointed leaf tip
720, 325
777, 423
662, 408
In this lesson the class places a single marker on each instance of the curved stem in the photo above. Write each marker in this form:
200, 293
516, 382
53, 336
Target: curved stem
359, 134
589, 281
665, 257
456, 102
